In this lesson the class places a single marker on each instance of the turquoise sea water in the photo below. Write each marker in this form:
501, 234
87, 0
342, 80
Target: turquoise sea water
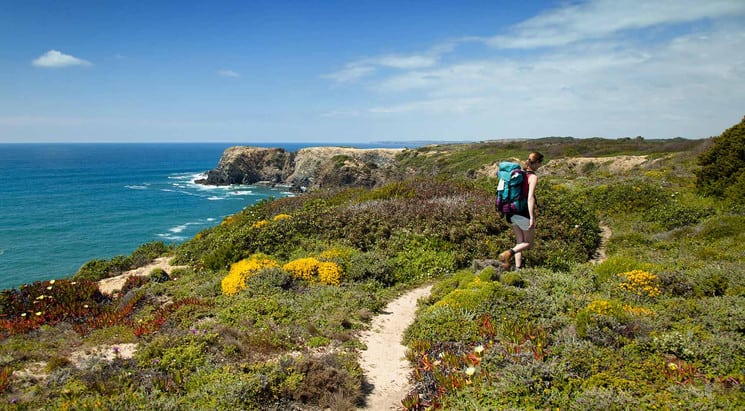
62, 205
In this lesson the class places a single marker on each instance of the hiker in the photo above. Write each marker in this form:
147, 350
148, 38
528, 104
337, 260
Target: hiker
523, 222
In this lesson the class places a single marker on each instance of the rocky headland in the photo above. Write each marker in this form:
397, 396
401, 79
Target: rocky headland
305, 170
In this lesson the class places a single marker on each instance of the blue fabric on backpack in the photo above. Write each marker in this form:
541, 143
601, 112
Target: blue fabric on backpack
512, 191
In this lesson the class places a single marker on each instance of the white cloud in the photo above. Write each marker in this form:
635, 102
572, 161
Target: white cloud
368, 66
55, 59
228, 73
444, 105
602, 18
583, 70
351, 72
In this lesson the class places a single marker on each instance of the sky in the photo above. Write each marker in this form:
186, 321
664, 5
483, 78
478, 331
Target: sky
368, 71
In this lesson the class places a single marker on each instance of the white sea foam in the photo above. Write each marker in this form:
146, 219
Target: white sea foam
215, 198
175, 233
137, 186
168, 190
172, 237
241, 193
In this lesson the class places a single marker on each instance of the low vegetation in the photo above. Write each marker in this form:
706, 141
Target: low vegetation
268, 314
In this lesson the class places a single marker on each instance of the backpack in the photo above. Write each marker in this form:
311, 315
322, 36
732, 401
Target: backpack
512, 190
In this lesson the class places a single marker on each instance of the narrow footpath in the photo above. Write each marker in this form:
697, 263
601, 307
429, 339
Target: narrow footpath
383, 362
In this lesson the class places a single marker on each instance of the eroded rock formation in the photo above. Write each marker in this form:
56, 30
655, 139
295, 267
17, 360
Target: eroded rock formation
307, 169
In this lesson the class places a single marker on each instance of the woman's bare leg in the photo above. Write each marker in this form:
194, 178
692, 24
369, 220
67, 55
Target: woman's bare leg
524, 242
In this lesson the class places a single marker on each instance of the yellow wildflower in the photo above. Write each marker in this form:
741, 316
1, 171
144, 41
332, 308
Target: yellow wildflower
260, 224
236, 279
329, 273
303, 268
641, 283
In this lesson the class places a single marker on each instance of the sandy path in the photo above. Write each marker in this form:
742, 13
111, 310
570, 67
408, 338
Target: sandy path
605, 234
111, 284
383, 362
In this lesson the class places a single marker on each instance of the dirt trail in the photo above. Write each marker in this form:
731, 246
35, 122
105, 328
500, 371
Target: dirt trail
384, 364
112, 284
605, 233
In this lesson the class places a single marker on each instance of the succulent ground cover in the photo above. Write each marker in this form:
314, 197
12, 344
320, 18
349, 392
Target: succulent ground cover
268, 313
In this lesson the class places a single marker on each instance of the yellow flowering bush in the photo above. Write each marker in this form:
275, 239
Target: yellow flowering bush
281, 217
638, 311
235, 281
228, 220
340, 255
303, 268
260, 224
601, 307
329, 273
311, 269
640, 283
337, 254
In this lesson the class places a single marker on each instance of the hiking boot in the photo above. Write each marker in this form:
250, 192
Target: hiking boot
505, 258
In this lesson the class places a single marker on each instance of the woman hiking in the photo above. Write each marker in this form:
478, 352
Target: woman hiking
523, 224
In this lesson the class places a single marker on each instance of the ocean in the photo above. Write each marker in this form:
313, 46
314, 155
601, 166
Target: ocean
62, 205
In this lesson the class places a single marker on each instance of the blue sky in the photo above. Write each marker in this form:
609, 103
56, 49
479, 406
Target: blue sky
367, 71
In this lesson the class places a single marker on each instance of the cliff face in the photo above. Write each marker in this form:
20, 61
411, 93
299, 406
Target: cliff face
249, 165
307, 169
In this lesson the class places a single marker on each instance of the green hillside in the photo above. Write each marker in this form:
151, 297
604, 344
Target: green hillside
267, 309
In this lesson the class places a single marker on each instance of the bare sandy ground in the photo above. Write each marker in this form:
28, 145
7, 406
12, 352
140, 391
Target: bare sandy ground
112, 284
605, 234
384, 364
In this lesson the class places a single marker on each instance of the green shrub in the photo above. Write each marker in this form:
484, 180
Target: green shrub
372, 266
270, 278
615, 265
568, 231
674, 213
471, 296
722, 164
625, 197
512, 279
443, 324
159, 275
608, 323
324, 376
422, 258
489, 273
176, 355
98, 269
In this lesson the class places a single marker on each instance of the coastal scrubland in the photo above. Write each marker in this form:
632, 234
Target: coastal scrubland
268, 312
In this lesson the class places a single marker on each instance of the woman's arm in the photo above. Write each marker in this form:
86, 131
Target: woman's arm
532, 182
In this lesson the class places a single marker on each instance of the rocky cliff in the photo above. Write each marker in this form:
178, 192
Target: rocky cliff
307, 169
